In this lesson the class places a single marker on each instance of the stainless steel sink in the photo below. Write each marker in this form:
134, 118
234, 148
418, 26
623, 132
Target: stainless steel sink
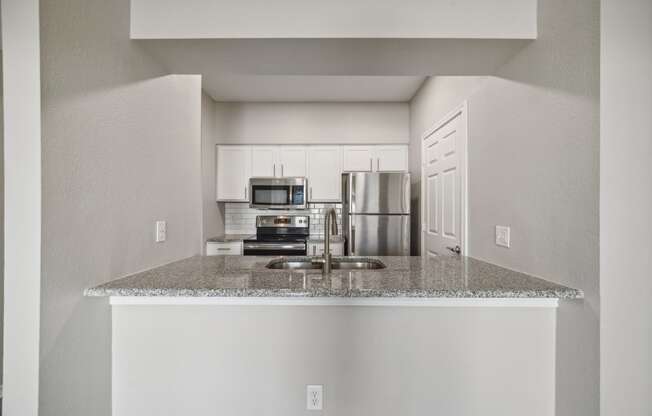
316, 263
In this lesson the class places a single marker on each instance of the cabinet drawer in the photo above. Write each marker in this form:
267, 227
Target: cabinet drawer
232, 248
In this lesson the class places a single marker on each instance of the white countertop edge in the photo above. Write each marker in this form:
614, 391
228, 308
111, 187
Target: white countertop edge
337, 301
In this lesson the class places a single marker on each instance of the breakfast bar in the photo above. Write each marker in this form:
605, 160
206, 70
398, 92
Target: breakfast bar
381, 335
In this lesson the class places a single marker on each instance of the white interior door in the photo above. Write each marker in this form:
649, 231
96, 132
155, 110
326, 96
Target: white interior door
444, 186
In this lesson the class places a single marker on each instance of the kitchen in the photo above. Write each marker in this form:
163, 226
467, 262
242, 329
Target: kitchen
308, 255
159, 120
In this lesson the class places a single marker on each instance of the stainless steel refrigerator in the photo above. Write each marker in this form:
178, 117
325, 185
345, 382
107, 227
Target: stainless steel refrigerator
376, 213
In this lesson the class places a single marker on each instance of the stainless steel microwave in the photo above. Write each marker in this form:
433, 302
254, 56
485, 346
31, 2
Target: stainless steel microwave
278, 193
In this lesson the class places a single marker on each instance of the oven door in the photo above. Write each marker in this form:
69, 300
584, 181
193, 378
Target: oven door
274, 249
277, 193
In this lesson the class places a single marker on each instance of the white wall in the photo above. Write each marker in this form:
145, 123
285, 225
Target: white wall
189, 19
317, 123
121, 149
377, 361
22, 205
625, 207
212, 211
533, 165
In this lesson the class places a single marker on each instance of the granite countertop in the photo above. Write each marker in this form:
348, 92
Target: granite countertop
247, 276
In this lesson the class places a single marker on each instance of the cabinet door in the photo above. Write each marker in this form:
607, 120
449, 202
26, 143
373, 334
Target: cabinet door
391, 159
263, 161
357, 159
292, 160
233, 172
324, 174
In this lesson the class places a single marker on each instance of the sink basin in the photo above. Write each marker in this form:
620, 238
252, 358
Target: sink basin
339, 263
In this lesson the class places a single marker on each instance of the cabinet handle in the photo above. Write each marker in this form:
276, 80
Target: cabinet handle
311, 193
282, 174
245, 191
314, 250
274, 169
223, 249
371, 164
378, 164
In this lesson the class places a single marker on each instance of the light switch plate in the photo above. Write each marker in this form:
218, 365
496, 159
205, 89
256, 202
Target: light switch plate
503, 236
161, 231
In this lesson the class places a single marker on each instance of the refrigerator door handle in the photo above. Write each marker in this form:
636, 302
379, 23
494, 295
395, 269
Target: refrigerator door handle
352, 239
352, 194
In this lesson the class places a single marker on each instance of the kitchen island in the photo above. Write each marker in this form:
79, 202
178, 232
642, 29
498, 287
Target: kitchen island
227, 335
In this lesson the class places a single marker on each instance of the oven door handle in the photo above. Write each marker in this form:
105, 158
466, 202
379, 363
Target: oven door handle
274, 246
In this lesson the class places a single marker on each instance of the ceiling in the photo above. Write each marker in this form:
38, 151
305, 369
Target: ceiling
302, 88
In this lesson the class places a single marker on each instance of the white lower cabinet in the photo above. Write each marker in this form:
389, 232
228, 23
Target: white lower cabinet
317, 248
324, 174
229, 248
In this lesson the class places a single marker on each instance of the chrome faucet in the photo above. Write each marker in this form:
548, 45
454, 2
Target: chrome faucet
330, 228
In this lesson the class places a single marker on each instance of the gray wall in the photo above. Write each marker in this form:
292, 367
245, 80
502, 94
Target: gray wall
320, 123
533, 165
381, 361
626, 207
2, 219
121, 149
212, 211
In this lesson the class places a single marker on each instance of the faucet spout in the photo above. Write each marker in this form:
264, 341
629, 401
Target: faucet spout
330, 226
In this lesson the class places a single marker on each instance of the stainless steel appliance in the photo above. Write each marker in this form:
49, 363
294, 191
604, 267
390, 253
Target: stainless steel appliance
278, 193
376, 213
279, 235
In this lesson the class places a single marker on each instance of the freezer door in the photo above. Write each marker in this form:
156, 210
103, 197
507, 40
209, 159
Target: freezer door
378, 235
377, 193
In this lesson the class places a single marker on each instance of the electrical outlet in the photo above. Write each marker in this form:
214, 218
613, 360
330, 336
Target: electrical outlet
161, 231
314, 397
502, 236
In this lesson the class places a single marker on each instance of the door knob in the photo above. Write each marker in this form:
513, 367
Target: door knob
456, 249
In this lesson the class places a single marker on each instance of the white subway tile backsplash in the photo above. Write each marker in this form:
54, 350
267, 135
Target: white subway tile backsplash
240, 219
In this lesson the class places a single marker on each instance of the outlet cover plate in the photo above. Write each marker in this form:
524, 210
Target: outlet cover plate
314, 397
503, 236
161, 231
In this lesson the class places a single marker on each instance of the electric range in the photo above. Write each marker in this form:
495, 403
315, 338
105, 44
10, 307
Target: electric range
279, 235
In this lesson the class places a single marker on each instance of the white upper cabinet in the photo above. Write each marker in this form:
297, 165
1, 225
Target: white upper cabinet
263, 161
292, 160
377, 158
324, 174
391, 158
278, 161
322, 165
233, 172
357, 158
